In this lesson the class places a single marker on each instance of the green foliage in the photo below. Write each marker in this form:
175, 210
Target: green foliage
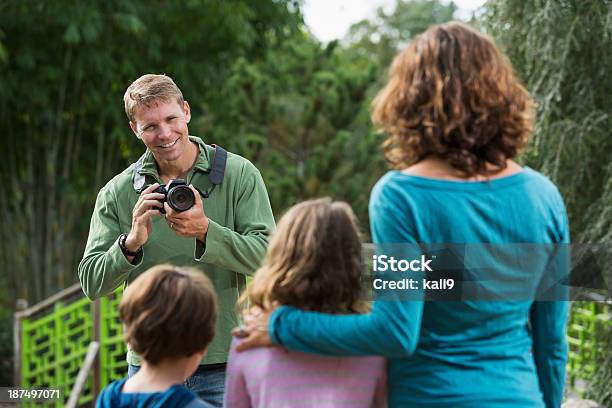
293, 114
382, 37
562, 51
6, 348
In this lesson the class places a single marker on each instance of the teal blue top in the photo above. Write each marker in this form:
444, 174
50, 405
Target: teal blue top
176, 396
459, 353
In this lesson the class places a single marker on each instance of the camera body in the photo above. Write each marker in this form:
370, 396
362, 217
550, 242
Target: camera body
177, 194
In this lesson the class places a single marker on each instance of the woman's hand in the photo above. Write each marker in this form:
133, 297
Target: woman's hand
254, 330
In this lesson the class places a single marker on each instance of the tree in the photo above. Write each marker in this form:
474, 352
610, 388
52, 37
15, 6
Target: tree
382, 37
561, 50
293, 113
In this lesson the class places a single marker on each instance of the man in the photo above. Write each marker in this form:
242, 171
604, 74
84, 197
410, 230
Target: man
224, 235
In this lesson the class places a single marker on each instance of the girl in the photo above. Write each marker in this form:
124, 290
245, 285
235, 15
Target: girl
313, 263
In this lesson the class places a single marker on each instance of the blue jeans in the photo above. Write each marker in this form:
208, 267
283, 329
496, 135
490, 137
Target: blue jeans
208, 382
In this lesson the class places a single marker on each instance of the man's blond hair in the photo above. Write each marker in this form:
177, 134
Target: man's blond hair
148, 89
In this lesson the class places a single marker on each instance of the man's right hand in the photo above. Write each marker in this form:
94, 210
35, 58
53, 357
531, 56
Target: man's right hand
146, 207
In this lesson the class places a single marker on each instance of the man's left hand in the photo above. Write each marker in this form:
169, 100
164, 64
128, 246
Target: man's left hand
190, 223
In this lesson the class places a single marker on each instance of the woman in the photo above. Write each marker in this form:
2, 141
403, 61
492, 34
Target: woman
456, 116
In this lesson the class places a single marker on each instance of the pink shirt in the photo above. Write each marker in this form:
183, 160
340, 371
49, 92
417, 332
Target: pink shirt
274, 377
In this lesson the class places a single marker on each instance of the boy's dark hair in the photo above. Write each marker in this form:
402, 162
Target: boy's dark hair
169, 312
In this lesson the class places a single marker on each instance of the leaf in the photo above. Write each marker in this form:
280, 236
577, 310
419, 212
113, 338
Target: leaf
72, 36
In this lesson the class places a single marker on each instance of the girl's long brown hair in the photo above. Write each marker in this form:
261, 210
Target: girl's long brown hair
453, 94
313, 261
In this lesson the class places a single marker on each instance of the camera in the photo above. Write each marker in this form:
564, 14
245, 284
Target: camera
178, 195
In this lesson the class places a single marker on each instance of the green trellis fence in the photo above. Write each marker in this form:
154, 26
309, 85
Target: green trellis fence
52, 338
588, 326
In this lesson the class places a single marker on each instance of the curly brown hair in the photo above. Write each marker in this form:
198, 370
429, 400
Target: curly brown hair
169, 312
452, 94
313, 261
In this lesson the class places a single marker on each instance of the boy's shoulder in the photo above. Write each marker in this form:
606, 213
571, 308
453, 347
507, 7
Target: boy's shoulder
110, 395
178, 396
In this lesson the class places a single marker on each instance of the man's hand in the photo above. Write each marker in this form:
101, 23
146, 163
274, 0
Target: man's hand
147, 206
190, 223
254, 330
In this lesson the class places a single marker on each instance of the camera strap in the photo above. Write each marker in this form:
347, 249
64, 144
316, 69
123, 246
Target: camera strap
216, 174
217, 170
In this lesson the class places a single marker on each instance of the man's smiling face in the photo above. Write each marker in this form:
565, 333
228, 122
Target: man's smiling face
162, 126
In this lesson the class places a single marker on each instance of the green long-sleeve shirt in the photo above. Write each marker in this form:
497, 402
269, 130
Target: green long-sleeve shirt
241, 221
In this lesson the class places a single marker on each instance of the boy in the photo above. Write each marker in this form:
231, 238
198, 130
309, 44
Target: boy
168, 315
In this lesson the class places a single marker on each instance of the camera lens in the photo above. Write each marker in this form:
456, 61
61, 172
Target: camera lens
181, 198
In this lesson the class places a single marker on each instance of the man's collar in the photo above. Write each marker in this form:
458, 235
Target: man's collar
149, 166
203, 161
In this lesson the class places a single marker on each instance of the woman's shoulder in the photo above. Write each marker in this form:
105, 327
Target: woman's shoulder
396, 182
540, 186
390, 186
537, 177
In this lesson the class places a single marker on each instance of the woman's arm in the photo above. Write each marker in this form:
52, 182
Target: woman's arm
549, 317
550, 348
390, 329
